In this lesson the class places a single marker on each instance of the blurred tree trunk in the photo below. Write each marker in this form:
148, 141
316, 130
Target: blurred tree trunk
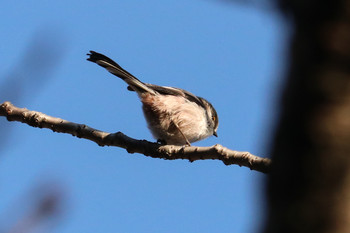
309, 186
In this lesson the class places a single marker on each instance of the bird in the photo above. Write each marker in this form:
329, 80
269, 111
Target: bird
173, 115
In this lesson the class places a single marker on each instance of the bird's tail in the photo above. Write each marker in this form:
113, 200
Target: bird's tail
110, 65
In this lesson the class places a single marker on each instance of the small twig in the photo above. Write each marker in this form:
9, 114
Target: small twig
154, 150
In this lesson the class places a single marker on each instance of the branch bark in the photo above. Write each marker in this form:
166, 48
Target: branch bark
154, 150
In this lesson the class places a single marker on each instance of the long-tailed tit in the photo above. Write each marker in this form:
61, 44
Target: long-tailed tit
174, 116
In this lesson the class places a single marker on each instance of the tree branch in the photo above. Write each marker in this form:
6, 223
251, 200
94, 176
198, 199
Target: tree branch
154, 150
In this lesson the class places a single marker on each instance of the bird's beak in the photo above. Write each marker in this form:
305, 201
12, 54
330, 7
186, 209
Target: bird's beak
215, 134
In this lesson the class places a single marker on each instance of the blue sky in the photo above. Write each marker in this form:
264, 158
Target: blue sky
231, 54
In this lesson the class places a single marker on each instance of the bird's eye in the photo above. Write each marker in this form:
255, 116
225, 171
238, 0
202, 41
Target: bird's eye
213, 118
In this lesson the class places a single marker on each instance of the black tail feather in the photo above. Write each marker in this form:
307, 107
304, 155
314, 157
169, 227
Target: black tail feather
95, 57
114, 68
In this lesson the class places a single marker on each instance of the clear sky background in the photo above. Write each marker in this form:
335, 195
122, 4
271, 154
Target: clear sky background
231, 54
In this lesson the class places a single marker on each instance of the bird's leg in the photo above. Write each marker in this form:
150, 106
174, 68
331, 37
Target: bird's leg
161, 142
187, 142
